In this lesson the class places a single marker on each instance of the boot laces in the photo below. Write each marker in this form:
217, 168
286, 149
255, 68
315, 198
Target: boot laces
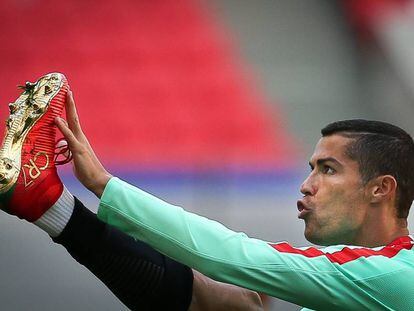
63, 154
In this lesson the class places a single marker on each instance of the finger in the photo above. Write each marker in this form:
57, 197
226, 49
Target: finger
67, 133
72, 115
59, 119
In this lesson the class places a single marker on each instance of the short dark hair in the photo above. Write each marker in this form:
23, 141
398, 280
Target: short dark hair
380, 148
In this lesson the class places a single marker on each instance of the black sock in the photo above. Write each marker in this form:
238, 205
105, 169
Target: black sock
141, 277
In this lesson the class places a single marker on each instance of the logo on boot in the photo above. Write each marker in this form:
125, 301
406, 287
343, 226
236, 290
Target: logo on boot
33, 169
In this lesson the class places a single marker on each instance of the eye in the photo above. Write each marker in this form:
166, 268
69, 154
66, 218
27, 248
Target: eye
328, 170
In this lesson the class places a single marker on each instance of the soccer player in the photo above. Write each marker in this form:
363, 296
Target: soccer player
142, 278
355, 203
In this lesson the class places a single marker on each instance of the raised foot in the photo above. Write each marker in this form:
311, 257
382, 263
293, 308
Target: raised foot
25, 112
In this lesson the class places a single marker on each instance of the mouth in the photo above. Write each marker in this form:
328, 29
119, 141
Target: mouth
303, 209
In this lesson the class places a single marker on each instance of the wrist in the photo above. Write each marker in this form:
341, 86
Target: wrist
100, 185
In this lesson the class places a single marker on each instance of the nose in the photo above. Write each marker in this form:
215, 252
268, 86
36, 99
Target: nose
308, 186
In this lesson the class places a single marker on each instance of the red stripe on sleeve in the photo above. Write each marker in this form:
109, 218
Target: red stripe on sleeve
349, 254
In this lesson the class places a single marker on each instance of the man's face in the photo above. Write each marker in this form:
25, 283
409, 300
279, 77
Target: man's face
334, 203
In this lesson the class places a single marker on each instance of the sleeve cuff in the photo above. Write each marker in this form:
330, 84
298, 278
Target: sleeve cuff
110, 188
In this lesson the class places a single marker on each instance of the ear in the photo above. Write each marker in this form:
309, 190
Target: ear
382, 188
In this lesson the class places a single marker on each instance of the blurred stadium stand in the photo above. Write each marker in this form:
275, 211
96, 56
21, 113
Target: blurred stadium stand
213, 105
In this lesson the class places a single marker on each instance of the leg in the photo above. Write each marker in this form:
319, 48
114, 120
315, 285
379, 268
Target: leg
139, 276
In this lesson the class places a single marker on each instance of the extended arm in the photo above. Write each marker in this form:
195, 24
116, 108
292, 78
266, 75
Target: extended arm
225, 255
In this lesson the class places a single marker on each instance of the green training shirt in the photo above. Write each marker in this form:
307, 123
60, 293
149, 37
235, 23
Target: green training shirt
339, 277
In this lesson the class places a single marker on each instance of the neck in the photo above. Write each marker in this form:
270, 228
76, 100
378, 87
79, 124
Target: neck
381, 228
